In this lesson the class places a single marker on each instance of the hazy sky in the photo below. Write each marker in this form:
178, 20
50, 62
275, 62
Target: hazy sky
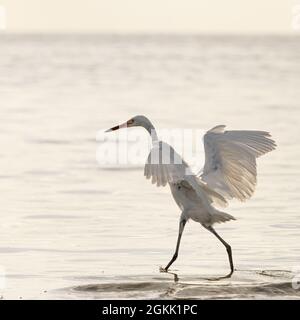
150, 15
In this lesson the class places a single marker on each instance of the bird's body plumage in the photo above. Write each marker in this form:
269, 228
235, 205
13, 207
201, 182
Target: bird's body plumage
229, 172
165, 166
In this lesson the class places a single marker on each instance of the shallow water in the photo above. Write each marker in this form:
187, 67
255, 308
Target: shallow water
72, 229
245, 284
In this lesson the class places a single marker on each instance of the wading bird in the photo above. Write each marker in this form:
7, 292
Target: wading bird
229, 172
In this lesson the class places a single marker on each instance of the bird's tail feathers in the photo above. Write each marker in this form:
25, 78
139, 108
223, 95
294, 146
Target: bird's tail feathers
220, 217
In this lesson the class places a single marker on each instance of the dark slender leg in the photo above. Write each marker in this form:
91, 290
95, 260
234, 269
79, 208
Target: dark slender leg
181, 227
227, 246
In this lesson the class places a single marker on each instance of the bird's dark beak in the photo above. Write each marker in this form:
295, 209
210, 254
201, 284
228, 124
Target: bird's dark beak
120, 126
113, 129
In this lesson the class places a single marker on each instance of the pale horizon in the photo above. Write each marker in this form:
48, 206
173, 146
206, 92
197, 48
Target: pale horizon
144, 17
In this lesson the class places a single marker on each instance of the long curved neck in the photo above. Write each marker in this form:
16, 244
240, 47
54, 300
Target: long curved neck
150, 128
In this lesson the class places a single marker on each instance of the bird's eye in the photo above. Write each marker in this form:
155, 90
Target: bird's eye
131, 121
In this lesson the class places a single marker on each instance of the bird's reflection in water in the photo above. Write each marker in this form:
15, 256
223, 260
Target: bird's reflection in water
176, 277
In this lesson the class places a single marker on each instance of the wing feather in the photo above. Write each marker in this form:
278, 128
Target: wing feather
230, 160
164, 165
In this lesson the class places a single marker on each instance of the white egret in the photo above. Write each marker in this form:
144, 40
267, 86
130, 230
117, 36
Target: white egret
229, 172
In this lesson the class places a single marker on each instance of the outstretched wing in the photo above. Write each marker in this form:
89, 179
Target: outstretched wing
230, 160
164, 165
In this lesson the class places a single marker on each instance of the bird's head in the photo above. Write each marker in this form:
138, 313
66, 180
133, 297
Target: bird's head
137, 121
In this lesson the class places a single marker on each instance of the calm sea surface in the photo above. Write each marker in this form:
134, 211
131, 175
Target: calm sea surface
72, 229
